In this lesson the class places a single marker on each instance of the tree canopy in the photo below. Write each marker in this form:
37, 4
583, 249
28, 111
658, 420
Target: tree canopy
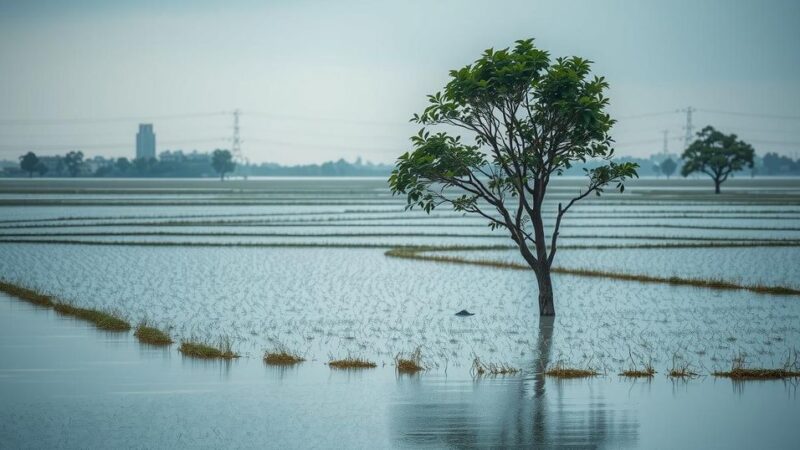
74, 162
222, 162
28, 163
527, 119
668, 167
717, 155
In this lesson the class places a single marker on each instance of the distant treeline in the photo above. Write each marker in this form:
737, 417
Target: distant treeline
177, 164
174, 164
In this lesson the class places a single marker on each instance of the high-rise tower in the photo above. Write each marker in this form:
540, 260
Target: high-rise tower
145, 142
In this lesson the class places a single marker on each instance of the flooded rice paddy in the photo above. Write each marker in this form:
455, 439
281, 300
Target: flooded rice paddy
302, 264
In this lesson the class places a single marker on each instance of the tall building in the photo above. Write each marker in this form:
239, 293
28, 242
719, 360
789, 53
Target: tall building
145, 141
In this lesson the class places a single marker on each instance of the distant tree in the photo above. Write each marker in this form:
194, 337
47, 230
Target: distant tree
531, 118
657, 170
668, 167
775, 164
222, 162
28, 163
41, 168
717, 155
74, 163
123, 165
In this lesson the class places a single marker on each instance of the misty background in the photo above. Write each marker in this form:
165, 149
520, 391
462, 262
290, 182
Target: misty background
317, 81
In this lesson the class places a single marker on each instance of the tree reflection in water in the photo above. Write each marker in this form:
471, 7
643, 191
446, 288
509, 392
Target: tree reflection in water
527, 410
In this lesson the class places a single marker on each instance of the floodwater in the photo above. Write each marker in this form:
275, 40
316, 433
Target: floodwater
65, 385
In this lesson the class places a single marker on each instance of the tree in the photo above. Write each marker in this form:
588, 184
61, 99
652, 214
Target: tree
123, 165
717, 155
41, 168
74, 163
530, 119
28, 163
222, 162
668, 167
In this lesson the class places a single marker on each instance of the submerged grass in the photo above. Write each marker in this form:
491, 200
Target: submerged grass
207, 351
740, 372
29, 295
411, 363
351, 363
100, 319
151, 335
560, 370
282, 357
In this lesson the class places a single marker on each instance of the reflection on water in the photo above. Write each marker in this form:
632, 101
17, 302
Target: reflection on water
65, 385
511, 411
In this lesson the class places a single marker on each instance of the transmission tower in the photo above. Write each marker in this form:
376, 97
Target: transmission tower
236, 143
689, 128
665, 148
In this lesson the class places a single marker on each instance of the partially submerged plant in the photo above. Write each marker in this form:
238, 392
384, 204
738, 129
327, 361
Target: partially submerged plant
100, 319
740, 372
411, 363
479, 368
29, 295
641, 370
151, 335
351, 362
560, 370
681, 369
206, 351
282, 357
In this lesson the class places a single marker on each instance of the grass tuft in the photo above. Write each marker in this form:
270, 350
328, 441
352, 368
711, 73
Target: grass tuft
206, 351
740, 372
29, 295
100, 319
151, 336
681, 369
351, 363
646, 372
559, 370
411, 363
282, 357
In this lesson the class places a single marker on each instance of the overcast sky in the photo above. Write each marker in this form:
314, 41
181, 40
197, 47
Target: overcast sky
320, 80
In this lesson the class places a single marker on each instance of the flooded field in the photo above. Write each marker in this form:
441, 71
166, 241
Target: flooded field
330, 268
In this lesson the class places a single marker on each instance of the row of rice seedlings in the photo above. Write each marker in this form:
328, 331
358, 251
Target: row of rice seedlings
641, 370
711, 283
35, 297
205, 350
100, 319
706, 242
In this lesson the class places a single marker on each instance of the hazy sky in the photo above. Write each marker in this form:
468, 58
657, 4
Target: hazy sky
319, 80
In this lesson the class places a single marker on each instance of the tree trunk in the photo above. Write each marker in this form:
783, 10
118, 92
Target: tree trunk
222, 176
546, 306
716, 186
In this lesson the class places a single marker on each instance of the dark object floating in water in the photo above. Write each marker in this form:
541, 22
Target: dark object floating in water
464, 313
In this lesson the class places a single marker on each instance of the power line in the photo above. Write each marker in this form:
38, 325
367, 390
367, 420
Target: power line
645, 115
748, 114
